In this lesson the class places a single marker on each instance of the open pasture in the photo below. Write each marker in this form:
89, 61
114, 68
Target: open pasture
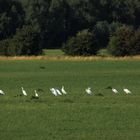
76, 115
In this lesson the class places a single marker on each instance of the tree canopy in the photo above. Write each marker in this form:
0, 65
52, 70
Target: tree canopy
58, 20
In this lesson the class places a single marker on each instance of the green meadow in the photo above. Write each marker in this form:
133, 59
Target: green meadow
76, 116
53, 52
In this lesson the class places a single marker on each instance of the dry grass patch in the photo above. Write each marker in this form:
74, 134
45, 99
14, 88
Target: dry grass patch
71, 58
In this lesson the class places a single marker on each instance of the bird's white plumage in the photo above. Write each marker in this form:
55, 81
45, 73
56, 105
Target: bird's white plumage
88, 90
58, 92
36, 94
23, 91
115, 90
53, 91
127, 91
2, 92
63, 90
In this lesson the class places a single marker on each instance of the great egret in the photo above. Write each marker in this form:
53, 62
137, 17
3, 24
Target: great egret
113, 89
23, 92
88, 91
127, 91
63, 90
2, 92
36, 94
53, 91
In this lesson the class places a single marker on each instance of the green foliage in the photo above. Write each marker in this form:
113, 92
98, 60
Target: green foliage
27, 39
25, 42
81, 44
123, 11
11, 17
114, 26
4, 46
58, 20
135, 43
101, 31
121, 42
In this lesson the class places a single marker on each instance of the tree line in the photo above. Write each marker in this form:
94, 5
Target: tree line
79, 27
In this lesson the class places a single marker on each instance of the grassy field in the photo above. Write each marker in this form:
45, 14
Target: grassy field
53, 52
74, 116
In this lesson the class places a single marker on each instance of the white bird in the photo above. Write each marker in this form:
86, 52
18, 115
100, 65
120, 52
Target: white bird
88, 91
2, 92
127, 91
58, 92
36, 94
113, 89
63, 90
23, 91
54, 92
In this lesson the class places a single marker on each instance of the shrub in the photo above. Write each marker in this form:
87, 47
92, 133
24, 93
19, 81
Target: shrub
120, 43
81, 44
25, 42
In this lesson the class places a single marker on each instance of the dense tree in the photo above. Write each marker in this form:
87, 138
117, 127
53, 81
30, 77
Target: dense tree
24, 42
58, 20
123, 11
121, 42
11, 17
101, 31
81, 44
135, 43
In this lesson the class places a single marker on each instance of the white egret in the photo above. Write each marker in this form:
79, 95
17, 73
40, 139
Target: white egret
54, 92
36, 94
2, 92
63, 90
127, 91
113, 89
88, 91
23, 92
